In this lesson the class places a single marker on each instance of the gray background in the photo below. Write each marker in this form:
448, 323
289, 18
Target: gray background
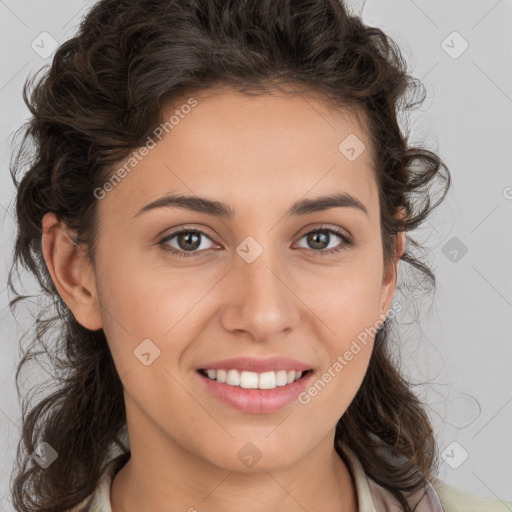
462, 344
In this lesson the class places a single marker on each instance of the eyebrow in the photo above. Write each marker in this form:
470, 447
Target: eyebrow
219, 209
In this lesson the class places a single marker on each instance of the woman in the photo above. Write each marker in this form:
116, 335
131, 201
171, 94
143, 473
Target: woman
217, 208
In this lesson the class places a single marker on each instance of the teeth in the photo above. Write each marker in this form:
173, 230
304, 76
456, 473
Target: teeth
281, 377
253, 380
267, 380
249, 380
233, 378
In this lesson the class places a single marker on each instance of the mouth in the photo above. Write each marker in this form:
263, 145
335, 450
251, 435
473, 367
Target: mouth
254, 392
254, 380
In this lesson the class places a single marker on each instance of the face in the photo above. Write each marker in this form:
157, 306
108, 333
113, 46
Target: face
180, 290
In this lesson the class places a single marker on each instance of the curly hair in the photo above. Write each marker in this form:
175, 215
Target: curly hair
101, 97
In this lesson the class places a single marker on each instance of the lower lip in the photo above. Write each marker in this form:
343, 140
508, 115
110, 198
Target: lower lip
259, 401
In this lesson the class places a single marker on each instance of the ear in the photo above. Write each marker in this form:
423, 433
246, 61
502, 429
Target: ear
71, 272
389, 278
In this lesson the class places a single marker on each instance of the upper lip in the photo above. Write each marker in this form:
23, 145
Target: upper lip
256, 365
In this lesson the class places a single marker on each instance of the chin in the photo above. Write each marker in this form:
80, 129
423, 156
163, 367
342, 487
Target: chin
257, 456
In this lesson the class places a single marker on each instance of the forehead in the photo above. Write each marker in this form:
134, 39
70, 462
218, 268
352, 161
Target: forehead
264, 152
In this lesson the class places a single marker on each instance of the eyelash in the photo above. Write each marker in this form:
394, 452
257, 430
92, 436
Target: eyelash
188, 254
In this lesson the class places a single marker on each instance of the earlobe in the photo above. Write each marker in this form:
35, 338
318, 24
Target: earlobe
72, 275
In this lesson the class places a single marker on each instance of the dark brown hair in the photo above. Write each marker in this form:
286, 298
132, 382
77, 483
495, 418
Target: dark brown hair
102, 97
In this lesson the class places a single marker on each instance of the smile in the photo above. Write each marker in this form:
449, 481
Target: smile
253, 392
253, 380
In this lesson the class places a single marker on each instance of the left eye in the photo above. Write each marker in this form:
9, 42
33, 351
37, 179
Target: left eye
189, 241
319, 236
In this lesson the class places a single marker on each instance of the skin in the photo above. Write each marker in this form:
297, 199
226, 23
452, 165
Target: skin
264, 154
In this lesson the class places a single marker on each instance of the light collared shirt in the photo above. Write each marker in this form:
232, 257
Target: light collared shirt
371, 497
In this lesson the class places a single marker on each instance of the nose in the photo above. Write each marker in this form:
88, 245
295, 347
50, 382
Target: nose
261, 300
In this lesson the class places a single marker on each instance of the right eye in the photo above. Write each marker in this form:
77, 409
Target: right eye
188, 239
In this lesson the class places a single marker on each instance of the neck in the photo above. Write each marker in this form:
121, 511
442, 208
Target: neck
159, 481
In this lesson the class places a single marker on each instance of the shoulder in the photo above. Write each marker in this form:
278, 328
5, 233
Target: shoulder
99, 500
436, 496
454, 499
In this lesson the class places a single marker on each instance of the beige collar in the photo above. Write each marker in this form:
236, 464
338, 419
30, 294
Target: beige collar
374, 498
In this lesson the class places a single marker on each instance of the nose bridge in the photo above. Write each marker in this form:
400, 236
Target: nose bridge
258, 267
264, 302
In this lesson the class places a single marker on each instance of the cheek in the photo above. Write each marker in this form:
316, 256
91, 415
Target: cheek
347, 300
146, 299
148, 331
147, 303
349, 309
348, 349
